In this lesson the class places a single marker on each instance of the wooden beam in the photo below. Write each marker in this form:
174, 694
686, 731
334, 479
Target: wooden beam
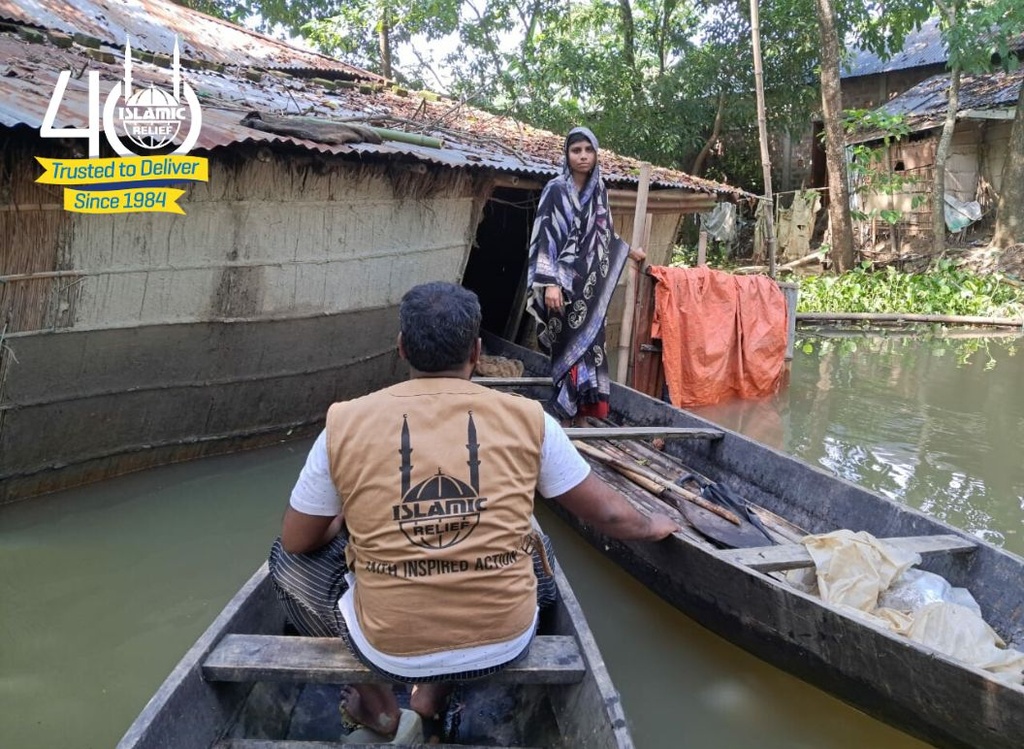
632, 270
633, 433
986, 114
519, 183
327, 660
796, 556
510, 381
664, 201
271, 744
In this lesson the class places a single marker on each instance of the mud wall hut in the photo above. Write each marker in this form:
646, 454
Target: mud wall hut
978, 152
133, 340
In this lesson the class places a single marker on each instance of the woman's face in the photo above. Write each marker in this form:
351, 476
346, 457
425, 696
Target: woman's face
582, 157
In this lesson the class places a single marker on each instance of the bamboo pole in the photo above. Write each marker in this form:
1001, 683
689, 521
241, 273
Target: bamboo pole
632, 269
1008, 322
762, 130
650, 478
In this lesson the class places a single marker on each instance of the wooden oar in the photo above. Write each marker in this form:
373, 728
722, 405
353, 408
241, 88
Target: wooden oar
652, 481
786, 530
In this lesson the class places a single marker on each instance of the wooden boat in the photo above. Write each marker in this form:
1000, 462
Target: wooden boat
739, 593
245, 684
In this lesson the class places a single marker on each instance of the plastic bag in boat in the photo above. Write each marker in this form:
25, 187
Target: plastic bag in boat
873, 580
915, 589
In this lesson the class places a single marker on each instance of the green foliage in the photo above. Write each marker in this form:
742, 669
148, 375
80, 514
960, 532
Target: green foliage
686, 256
868, 168
943, 290
880, 343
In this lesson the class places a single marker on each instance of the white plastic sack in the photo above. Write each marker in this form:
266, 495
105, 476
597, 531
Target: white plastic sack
854, 568
873, 581
959, 632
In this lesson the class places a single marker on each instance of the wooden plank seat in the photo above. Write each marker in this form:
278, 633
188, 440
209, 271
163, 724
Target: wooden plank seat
326, 660
795, 556
270, 744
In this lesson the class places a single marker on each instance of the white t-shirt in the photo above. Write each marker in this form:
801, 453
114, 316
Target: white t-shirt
561, 469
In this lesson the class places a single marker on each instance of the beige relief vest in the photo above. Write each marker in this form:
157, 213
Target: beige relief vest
436, 478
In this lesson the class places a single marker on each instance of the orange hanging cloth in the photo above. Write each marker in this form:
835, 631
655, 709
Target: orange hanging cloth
722, 336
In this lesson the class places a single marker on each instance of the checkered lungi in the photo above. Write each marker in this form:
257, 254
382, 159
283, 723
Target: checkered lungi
309, 586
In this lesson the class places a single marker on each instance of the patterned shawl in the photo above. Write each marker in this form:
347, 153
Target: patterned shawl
574, 246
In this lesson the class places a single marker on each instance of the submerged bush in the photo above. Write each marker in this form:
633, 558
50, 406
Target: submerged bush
942, 290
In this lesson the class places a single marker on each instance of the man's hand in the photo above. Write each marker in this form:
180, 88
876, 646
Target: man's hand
594, 502
638, 254
553, 298
662, 526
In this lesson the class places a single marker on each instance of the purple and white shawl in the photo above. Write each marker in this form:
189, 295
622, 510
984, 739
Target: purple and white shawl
575, 247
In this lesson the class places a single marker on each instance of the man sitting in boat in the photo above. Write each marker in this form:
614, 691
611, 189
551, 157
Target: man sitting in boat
409, 532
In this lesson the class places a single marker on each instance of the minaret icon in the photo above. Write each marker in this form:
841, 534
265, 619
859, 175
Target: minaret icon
474, 459
406, 453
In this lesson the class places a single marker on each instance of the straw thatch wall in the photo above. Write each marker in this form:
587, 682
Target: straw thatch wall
134, 340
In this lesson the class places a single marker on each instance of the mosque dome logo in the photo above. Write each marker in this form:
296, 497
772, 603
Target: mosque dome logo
152, 118
148, 116
440, 511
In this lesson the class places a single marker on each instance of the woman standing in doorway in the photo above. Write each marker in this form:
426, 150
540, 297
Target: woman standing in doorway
575, 263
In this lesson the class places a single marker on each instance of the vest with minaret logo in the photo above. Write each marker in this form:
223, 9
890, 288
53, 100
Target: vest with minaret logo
443, 534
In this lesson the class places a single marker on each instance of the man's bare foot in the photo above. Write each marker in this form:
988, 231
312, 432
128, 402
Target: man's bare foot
373, 706
429, 699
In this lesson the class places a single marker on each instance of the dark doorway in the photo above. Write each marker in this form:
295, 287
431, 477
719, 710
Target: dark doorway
496, 270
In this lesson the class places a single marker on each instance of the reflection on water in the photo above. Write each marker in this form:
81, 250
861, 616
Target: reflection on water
935, 422
104, 588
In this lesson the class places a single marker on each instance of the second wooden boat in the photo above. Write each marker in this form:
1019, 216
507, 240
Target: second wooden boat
740, 594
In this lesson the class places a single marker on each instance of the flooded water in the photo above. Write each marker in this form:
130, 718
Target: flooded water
104, 588
937, 423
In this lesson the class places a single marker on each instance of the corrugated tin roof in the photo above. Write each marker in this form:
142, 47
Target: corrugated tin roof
924, 106
152, 26
921, 47
473, 139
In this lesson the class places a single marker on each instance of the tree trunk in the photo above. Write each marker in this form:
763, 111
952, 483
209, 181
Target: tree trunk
941, 156
1010, 208
716, 130
629, 46
384, 41
835, 140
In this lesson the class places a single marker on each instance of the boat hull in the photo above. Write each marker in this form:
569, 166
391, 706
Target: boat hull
908, 686
190, 712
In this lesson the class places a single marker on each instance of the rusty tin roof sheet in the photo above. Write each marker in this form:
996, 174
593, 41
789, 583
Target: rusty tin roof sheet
473, 139
152, 26
924, 105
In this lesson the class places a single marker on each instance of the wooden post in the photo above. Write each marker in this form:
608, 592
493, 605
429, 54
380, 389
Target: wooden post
632, 268
762, 129
702, 248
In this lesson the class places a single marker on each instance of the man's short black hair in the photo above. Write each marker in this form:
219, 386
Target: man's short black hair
440, 322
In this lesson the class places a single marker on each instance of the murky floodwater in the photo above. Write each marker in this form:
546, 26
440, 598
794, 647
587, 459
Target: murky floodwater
936, 423
104, 588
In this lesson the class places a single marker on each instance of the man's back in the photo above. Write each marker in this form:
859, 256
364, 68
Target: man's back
437, 478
